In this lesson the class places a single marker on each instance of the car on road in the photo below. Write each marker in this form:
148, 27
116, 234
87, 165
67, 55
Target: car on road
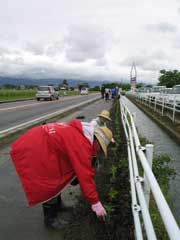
84, 91
47, 93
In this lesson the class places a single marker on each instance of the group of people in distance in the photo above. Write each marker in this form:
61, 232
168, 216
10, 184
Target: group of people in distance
49, 157
107, 93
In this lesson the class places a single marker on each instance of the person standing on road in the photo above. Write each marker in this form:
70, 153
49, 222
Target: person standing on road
102, 92
106, 94
47, 158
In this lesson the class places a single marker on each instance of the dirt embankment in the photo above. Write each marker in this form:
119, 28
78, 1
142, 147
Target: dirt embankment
173, 129
112, 180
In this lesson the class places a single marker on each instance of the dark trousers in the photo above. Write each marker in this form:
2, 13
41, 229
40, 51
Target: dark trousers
50, 209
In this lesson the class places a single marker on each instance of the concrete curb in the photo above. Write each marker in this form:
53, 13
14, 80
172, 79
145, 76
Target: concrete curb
48, 117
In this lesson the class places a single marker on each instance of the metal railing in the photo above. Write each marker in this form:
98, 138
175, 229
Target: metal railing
141, 186
166, 106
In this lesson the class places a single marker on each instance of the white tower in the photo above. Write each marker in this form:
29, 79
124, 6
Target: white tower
133, 76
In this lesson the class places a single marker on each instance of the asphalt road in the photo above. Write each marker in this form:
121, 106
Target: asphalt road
14, 113
18, 222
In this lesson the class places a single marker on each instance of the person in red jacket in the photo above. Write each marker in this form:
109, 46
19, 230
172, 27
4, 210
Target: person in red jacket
47, 158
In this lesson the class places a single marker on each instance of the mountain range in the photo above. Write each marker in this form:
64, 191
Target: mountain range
55, 82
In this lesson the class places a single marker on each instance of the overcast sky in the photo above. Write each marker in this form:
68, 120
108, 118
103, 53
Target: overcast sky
95, 39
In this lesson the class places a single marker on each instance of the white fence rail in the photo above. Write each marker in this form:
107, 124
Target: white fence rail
166, 105
141, 186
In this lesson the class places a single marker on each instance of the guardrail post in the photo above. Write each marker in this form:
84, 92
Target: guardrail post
149, 156
149, 101
162, 107
155, 103
146, 99
174, 108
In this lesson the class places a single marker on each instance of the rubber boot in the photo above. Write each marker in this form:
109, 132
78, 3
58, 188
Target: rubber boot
50, 216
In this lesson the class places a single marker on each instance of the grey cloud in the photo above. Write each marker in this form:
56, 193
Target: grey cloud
55, 49
9, 66
176, 42
4, 50
8, 51
142, 63
101, 62
163, 27
40, 69
37, 72
148, 61
158, 55
18, 61
86, 42
139, 60
151, 66
36, 48
19, 67
50, 49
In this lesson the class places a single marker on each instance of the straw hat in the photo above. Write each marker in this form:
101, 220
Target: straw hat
104, 137
105, 114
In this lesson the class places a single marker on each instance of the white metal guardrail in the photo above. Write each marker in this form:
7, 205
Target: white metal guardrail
141, 186
162, 103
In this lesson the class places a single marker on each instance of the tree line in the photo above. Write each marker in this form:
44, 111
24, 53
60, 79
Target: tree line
169, 78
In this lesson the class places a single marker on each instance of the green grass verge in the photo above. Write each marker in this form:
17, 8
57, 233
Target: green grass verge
13, 94
6, 95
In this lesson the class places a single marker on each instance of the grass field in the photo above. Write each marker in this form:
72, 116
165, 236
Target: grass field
12, 94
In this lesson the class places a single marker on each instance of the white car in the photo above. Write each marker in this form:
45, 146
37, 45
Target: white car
84, 91
47, 93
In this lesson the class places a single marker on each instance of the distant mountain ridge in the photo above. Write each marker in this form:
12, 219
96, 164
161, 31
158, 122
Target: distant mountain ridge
55, 82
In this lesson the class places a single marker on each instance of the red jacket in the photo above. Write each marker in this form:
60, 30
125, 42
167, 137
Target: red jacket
47, 158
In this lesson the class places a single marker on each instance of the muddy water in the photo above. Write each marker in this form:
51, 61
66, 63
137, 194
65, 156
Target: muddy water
163, 143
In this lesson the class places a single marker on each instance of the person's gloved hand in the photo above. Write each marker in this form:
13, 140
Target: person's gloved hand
99, 210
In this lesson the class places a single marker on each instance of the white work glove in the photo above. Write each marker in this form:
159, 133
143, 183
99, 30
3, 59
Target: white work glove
99, 210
